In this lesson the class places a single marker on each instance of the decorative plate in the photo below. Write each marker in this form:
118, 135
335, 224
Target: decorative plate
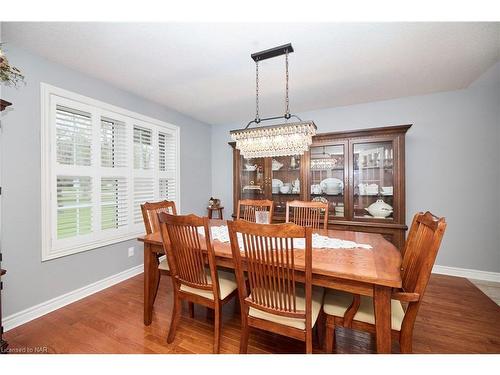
277, 182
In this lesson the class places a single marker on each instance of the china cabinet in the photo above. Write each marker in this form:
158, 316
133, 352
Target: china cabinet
360, 173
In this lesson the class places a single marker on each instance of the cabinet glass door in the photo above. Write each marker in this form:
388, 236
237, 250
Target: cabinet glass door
373, 172
327, 177
253, 181
285, 181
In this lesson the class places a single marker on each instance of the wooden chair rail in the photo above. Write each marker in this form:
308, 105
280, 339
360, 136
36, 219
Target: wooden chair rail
405, 296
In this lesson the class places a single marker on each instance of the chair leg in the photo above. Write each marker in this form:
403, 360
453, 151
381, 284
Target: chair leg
157, 286
330, 334
176, 314
309, 338
217, 328
245, 332
158, 277
191, 309
320, 328
405, 342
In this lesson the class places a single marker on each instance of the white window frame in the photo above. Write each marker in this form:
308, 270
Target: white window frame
52, 247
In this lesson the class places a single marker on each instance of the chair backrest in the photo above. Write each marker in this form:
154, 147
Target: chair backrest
189, 251
150, 214
307, 214
248, 207
420, 251
270, 258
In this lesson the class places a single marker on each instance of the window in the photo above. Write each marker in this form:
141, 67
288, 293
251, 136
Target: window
99, 164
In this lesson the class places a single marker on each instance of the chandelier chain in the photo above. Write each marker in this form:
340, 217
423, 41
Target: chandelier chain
287, 101
257, 117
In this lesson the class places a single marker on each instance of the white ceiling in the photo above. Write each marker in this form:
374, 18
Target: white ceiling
204, 70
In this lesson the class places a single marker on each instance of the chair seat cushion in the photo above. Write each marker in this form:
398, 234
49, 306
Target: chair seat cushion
337, 302
317, 298
164, 265
227, 284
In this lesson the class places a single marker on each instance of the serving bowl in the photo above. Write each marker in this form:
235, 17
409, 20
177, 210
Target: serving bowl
379, 209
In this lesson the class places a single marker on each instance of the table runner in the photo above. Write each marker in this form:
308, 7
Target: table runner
221, 234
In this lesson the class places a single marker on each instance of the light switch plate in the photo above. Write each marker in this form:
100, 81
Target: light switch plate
131, 251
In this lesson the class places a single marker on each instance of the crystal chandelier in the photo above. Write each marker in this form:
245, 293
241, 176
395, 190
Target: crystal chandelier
289, 138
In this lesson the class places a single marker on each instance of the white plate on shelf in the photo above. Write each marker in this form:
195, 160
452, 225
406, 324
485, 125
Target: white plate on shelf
252, 187
333, 183
277, 182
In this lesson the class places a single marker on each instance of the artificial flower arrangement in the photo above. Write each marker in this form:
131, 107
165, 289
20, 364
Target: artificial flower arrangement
9, 75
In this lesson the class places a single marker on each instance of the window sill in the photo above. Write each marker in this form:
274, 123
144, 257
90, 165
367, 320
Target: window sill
62, 252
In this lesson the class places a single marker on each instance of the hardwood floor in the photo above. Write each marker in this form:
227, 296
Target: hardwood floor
455, 317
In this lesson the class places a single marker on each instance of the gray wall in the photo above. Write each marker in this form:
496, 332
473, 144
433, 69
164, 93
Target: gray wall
453, 163
29, 281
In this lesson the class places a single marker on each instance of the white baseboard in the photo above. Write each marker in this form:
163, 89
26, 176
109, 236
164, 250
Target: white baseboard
43, 308
467, 273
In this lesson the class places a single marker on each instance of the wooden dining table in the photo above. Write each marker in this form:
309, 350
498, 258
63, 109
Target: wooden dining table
371, 272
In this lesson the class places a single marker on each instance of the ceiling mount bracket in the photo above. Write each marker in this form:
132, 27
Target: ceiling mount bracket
272, 52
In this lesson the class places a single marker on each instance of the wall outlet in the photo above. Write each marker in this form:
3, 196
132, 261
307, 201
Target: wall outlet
131, 251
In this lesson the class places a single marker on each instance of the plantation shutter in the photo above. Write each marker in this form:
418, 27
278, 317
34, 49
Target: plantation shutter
167, 153
113, 144
99, 164
74, 206
73, 136
143, 148
114, 202
143, 192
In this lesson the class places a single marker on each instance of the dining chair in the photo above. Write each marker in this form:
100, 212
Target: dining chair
248, 207
150, 212
422, 245
193, 281
273, 300
307, 214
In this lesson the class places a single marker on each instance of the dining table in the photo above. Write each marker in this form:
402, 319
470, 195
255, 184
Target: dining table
372, 272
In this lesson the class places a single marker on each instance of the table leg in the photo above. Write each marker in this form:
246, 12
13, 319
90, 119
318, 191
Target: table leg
151, 275
382, 309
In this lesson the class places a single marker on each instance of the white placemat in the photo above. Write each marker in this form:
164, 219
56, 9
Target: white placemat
221, 234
